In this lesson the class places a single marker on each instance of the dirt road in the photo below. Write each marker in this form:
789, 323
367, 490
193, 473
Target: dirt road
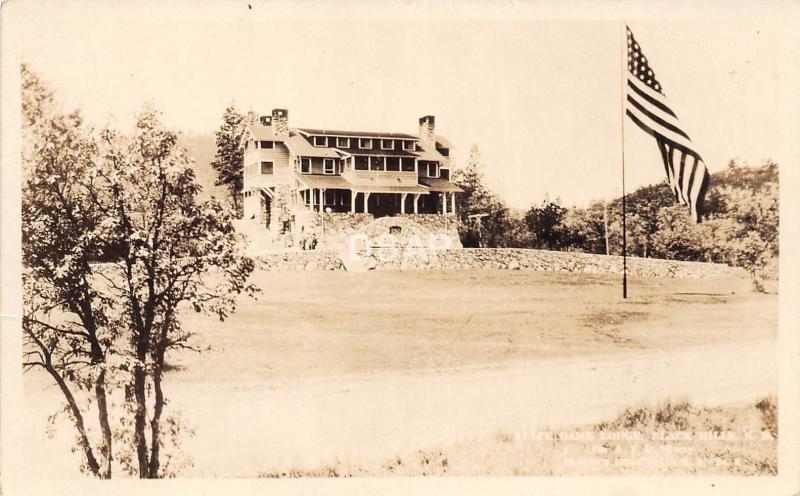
304, 423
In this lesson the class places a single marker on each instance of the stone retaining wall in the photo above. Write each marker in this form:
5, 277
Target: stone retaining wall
299, 260
545, 261
344, 223
497, 258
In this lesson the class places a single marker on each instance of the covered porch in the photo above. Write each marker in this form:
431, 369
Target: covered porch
336, 194
388, 200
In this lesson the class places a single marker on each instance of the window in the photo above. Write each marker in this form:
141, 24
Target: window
266, 144
407, 164
444, 174
392, 164
305, 166
408, 145
365, 143
320, 141
266, 167
387, 144
343, 142
395, 229
433, 169
330, 166
362, 163
376, 163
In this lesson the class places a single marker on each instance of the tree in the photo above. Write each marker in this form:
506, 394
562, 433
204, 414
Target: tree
229, 159
751, 230
642, 209
484, 219
545, 223
115, 247
678, 237
59, 242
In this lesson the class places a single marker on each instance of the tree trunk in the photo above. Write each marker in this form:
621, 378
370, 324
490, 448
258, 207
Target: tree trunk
155, 422
83, 439
605, 227
105, 428
757, 283
84, 310
140, 419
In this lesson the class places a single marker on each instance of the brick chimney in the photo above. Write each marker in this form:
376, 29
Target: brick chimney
427, 129
280, 123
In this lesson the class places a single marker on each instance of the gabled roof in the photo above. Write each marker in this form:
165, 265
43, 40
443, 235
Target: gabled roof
260, 132
441, 141
357, 134
428, 152
300, 146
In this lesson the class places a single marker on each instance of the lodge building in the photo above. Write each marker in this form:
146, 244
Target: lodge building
320, 170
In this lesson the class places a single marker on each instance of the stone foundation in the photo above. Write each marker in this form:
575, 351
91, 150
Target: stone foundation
402, 229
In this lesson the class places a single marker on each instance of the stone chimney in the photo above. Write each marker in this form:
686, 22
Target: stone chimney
265, 120
280, 123
427, 129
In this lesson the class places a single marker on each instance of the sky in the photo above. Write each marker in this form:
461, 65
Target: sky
541, 98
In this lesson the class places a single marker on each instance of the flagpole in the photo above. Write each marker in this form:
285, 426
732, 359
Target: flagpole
622, 137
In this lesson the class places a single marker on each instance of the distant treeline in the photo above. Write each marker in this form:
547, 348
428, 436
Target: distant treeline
740, 224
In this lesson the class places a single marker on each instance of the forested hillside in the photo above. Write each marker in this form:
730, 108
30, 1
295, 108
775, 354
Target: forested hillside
201, 148
740, 225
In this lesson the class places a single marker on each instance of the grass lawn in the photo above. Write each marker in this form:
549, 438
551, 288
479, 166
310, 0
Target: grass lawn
331, 323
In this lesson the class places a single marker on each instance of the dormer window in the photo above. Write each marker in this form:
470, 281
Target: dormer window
408, 145
365, 143
343, 142
387, 144
320, 141
433, 169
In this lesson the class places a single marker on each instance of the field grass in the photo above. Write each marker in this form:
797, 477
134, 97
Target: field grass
332, 323
672, 438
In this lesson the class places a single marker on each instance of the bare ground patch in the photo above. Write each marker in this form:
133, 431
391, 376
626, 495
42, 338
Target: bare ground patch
609, 324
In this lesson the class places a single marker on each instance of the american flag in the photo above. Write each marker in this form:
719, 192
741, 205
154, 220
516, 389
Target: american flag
647, 106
